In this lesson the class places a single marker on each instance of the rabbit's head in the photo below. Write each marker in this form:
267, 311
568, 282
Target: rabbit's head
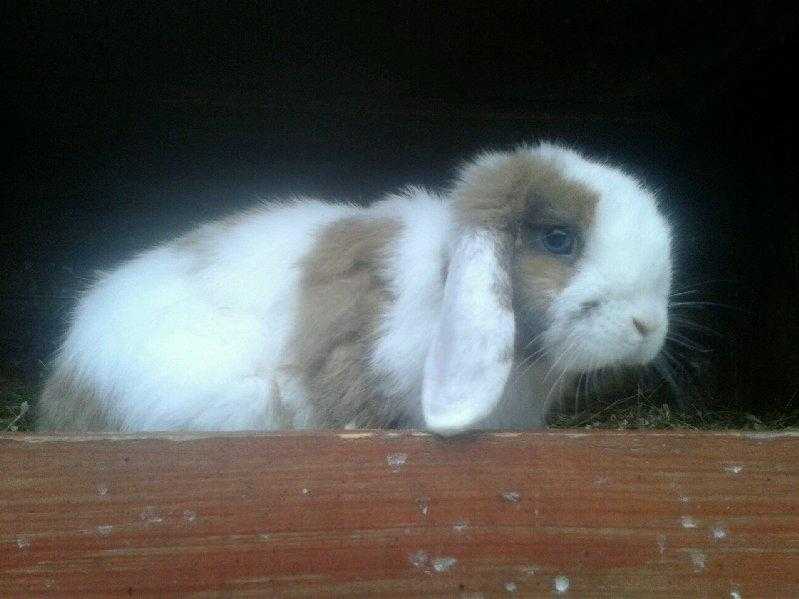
555, 257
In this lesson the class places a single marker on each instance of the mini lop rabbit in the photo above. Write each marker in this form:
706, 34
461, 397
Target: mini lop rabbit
449, 312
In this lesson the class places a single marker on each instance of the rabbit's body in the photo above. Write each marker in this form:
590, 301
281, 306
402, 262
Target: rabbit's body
309, 314
197, 333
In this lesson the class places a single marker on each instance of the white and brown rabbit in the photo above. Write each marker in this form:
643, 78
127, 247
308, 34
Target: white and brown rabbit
463, 310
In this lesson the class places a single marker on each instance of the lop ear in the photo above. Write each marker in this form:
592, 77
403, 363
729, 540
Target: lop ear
471, 355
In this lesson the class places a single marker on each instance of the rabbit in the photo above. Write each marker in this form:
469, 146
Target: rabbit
465, 309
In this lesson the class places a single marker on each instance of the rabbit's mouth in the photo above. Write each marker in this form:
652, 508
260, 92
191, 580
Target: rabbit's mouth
587, 348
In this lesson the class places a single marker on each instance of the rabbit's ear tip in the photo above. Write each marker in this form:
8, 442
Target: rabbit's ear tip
450, 422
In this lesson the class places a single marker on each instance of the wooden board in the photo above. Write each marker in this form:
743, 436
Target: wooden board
358, 513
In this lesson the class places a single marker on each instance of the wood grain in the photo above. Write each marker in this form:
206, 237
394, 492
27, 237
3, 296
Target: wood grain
359, 513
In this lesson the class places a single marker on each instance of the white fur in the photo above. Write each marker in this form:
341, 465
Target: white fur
177, 345
414, 271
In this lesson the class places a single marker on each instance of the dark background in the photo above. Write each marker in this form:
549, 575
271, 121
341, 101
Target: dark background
129, 124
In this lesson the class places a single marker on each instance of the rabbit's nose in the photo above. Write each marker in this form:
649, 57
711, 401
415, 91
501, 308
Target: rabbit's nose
643, 326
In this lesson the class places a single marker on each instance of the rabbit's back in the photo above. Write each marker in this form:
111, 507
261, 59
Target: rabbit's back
188, 335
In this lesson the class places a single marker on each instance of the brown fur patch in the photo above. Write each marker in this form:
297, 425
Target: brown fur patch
503, 287
343, 294
538, 279
522, 188
67, 403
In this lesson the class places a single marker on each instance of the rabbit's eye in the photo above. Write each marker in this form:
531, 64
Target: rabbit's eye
558, 240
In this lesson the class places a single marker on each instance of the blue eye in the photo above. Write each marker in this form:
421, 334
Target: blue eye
558, 240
